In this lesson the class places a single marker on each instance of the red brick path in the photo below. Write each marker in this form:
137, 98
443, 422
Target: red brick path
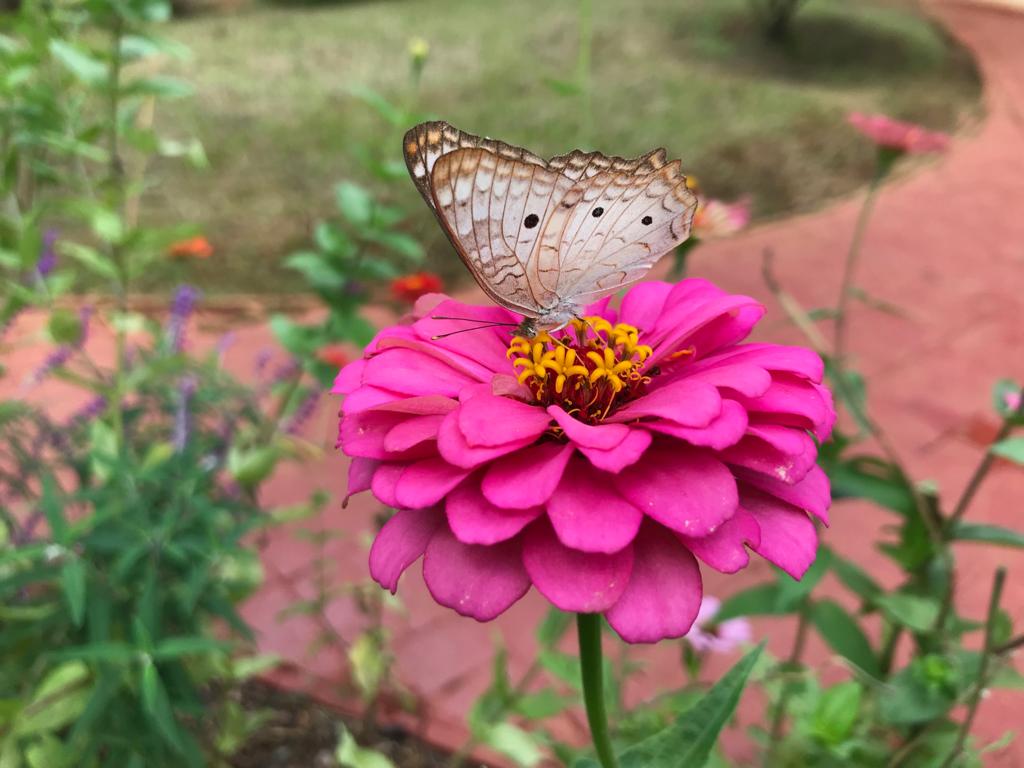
947, 243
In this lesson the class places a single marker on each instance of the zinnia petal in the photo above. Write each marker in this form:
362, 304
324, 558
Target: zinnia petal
788, 536
474, 520
424, 483
588, 514
664, 590
580, 582
625, 454
401, 542
527, 478
725, 550
475, 581
683, 488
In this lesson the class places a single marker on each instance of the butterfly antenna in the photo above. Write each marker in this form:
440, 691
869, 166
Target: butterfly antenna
481, 326
472, 320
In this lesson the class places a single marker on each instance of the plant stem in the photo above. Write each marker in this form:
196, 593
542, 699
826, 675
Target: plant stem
588, 626
116, 170
583, 68
849, 267
979, 688
892, 638
973, 485
779, 715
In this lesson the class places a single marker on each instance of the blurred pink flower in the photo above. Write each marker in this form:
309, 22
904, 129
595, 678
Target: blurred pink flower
897, 135
705, 635
715, 218
596, 464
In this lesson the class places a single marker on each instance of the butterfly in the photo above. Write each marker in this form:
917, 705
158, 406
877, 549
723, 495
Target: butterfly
544, 238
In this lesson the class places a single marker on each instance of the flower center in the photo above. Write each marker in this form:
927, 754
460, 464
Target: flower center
587, 369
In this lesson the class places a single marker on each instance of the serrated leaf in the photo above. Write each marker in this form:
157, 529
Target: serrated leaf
689, 740
844, 635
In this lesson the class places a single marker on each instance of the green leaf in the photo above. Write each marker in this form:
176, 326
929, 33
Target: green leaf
759, 600
57, 701
53, 510
72, 581
1011, 448
351, 755
118, 653
320, 274
160, 86
689, 740
513, 741
542, 704
86, 68
918, 693
855, 579
844, 635
368, 663
553, 627
836, 713
865, 477
911, 611
107, 225
793, 592
394, 115
91, 259
988, 534
404, 245
354, 202
64, 326
157, 706
175, 647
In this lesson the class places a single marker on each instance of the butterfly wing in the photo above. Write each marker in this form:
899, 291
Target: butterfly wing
494, 208
584, 165
612, 226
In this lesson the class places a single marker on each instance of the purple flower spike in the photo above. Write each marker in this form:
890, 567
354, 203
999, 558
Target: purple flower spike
47, 255
182, 305
302, 413
186, 388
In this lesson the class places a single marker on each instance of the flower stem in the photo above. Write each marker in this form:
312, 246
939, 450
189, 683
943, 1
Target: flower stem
792, 664
588, 626
982, 681
849, 268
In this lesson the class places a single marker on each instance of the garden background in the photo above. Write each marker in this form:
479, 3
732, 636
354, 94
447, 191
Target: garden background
279, 132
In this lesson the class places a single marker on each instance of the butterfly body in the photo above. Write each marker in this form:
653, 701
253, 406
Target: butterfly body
544, 238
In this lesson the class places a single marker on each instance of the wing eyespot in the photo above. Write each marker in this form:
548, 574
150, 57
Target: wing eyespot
531, 221
597, 212
646, 220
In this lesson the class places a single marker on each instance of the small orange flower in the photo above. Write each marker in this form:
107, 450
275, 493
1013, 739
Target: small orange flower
333, 355
409, 288
197, 247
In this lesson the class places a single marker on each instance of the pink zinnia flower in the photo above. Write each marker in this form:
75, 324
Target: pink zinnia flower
598, 463
706, 635
715, 218
897, 135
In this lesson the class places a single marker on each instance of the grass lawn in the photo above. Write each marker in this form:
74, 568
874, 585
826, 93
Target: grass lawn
280, 126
